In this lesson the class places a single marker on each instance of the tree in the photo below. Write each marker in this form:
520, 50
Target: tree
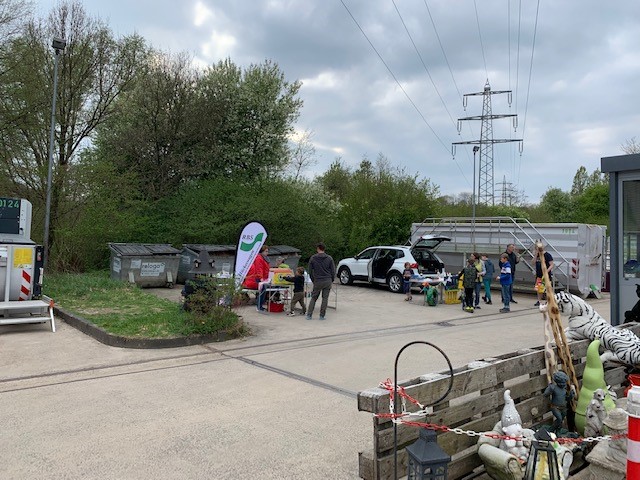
557, 206
630, 146
580, 180
179, 125
378, 202
302, 154
153, 135
94, 69
12, 13
593, 205
248, 115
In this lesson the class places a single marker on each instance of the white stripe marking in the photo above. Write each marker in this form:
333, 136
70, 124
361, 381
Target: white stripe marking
633, 450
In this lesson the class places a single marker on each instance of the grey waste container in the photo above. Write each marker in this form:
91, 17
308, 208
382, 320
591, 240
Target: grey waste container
145, 264
291, 255
223, 255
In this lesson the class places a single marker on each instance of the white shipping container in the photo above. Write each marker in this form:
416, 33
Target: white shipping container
577, 248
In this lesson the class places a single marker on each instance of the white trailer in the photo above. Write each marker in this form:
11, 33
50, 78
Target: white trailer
577, 248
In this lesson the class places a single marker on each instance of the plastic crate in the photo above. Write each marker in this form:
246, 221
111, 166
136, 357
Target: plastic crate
451, 296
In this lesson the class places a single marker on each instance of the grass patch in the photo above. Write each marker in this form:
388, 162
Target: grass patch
125, 309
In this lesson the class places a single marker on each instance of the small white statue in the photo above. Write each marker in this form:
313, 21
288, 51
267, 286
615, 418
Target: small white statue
512, 426
595, 415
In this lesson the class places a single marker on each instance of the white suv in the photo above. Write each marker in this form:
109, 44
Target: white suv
385, 264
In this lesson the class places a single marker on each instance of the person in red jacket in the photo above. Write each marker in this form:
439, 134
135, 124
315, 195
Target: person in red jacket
258, 275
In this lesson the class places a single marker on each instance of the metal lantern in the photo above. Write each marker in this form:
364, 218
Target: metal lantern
427, 461
543, 460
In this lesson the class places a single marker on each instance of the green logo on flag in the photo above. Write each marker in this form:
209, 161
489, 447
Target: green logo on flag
246, 247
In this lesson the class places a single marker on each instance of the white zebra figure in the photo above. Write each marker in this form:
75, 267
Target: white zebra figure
620, 344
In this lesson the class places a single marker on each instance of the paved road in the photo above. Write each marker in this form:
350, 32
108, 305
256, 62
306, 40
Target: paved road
280, 404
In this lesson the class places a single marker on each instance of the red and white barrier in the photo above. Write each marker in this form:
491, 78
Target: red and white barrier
575, 267
25, 286
633, 437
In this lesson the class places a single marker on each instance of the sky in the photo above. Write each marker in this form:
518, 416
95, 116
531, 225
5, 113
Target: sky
389, 77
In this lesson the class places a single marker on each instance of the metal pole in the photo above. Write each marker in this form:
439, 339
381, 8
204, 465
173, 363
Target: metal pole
58, 46
395, 396
473, 200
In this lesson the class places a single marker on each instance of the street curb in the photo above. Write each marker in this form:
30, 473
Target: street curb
112, 340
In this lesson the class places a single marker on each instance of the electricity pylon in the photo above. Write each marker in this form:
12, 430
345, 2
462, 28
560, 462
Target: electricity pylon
485, 170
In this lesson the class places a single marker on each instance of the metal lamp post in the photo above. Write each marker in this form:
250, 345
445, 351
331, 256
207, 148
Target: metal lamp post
473, 200
58, 45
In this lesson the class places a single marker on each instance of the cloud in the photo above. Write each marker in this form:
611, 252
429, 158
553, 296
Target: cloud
201, 14
322, 81
220, 45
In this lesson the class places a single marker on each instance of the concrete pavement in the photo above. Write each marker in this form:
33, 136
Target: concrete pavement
277, 405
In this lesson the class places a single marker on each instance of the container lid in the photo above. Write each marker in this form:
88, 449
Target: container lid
282, 249
142, 249
199, 247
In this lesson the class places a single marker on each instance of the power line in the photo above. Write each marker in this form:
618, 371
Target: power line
480, 36
401, 87
422, 61
393, 75
442, 48
533, 47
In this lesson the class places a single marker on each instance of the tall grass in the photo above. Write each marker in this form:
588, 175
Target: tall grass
125, 309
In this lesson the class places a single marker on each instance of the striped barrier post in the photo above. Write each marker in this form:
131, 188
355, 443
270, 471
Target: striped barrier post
633, 437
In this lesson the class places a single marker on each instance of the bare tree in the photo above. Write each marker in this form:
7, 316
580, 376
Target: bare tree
630, 146
302, 154
94, 68
12, 13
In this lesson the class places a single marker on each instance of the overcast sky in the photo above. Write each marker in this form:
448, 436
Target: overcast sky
574, 76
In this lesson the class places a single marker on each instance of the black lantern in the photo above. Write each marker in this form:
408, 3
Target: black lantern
543, 461
427, 461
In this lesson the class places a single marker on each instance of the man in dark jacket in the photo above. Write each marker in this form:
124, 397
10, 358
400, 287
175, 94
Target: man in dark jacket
322, 271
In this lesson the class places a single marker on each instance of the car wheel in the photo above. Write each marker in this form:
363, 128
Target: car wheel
344, 274
395, 282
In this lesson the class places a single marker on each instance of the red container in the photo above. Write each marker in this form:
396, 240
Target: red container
634, 380
276, 307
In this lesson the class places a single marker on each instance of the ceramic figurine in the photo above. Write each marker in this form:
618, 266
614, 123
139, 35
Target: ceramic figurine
512, 426
557, 391
592, 380
596, 413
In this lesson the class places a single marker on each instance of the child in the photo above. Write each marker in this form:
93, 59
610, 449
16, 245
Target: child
469, 282
490, 269
298, 291
505, 281
406, 284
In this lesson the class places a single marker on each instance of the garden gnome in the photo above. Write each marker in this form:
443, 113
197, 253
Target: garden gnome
512, 426
559, 397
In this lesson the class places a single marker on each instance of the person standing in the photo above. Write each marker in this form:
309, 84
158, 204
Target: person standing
490, 271
469, 277
406, 281
298, 291
514, 258
322, 271
505, 281
258, 276
540, 285
479, 264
